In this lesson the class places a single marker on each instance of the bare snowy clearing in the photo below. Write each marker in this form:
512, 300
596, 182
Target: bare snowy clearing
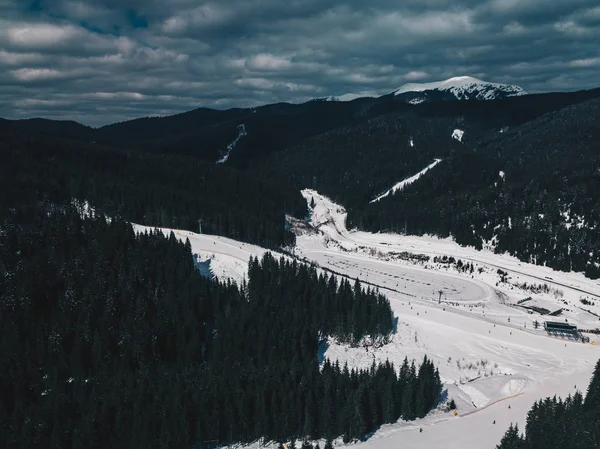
476, 325
458, 134
228, 258
407, 181
468, 321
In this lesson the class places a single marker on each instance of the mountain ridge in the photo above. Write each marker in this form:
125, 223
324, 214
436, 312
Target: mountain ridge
456, 88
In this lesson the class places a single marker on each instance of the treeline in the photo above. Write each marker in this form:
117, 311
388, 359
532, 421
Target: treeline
530, 190
556, 424
112, 339
149, 189
354, 164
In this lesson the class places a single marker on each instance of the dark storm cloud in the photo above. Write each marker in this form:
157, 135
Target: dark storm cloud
108, 60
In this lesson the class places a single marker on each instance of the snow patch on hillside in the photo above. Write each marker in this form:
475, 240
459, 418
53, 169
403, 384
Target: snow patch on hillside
407, 181
84, 208
241, 133
458, 134
228, 258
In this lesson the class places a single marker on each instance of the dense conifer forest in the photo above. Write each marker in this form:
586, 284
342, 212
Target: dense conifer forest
112, 339
530, 189
154, 190
543, 208
557, 424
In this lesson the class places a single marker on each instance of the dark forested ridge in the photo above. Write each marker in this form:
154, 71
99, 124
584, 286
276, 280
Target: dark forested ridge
205, 133
109, 339
154, 190
556, 424
534, 189
524, 179
530, 189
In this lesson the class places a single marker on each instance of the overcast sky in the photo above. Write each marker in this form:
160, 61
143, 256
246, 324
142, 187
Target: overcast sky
101, 61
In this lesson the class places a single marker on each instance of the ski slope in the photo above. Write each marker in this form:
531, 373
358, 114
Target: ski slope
241, 133
407, 181
461, 321
488, 353
228, 258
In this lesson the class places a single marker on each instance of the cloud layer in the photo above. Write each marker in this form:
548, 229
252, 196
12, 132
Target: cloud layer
121, 59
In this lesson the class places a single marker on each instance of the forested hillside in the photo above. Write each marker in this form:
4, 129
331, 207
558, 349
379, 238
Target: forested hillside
532, 191
529, 189
556, 424
524, 178
205, 133
154, 190
120, 342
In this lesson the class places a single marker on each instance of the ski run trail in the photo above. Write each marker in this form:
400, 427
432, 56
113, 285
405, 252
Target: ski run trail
492, 360
407, 181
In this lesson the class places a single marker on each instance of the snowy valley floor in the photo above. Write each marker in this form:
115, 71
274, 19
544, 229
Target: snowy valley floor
492, 360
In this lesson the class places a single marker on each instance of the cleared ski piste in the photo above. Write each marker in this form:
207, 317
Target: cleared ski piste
407, 181
486, 362
228, 258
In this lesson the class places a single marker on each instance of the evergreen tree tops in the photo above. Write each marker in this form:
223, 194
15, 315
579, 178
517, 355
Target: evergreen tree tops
120, 342
554, 423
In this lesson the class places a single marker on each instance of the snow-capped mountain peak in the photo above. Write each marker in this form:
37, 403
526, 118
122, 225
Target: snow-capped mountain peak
457, 88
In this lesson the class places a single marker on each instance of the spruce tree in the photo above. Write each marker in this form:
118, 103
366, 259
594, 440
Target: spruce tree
511, 439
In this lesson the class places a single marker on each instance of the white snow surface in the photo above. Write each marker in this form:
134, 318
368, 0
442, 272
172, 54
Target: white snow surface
241, 133
351, 96
228, 258
458, 134
464, 87
486, 361
407, 181
488, 353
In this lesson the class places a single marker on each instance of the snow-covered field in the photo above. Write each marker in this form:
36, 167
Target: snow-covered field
228, 258
488, 352
492, 360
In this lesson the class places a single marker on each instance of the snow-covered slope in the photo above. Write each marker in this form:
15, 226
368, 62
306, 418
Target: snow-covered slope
458, 134
348, 96
470, 323
459, 88
241, 133
228, 258
407, 181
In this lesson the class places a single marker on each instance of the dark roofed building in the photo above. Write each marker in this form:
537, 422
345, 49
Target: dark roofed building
557, 326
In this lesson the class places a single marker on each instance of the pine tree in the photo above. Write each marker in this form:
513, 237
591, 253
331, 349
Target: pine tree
592, 398
511, 439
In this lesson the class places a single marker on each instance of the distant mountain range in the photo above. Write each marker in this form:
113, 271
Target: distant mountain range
457, 88
452, 89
